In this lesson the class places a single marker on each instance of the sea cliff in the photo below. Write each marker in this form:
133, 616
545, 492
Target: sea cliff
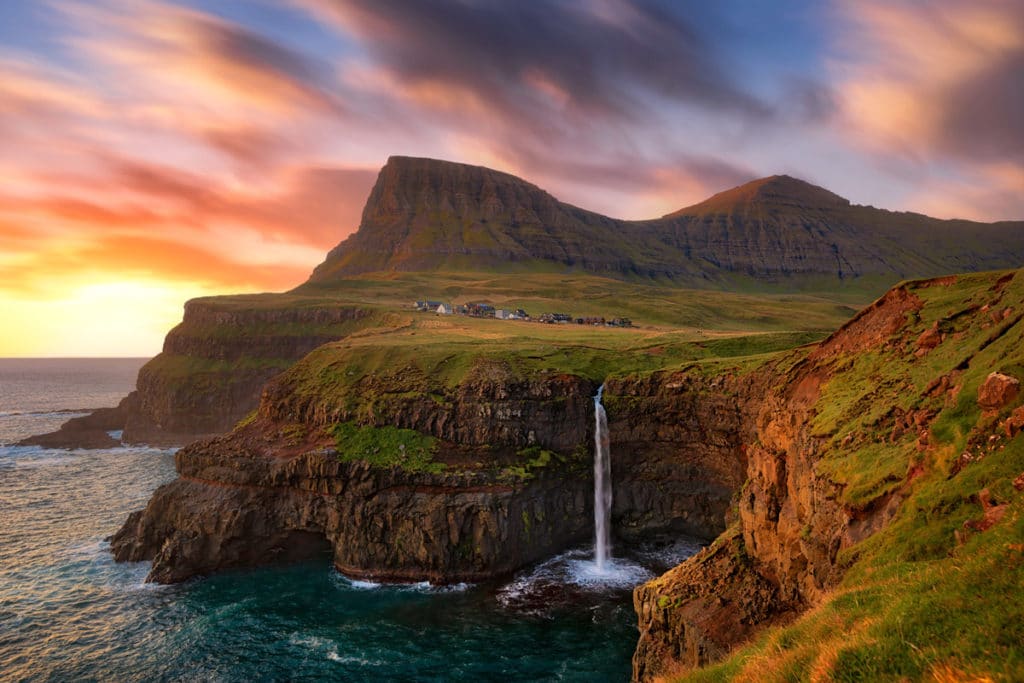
405, 477
881, 449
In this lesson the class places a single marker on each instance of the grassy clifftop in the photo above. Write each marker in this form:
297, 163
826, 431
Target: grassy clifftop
926, 423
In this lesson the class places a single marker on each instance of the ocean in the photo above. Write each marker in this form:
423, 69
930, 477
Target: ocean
69, 613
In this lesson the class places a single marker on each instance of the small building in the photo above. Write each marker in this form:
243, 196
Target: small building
502, 314
426, 305
480, 310
444, 309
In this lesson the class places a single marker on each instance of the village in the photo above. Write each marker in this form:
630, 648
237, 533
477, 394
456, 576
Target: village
482, 310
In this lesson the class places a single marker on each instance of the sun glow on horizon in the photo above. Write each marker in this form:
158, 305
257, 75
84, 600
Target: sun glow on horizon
127, 318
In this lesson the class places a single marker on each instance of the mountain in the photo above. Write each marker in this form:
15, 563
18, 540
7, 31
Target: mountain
429, 215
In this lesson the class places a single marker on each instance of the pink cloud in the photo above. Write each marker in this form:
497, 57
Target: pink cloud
940, 85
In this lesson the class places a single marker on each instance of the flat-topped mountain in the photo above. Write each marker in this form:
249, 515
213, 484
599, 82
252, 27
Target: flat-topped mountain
429, 215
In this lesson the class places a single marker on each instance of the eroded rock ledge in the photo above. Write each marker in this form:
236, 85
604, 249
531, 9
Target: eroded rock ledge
233, 508
511, 482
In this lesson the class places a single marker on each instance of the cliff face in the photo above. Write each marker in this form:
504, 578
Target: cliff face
215, 363
509, 480
679, 448
233, 507
426, 215
841, 437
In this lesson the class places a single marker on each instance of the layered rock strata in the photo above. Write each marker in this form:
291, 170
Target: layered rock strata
255, 496
233, 508
425, 215
810, 492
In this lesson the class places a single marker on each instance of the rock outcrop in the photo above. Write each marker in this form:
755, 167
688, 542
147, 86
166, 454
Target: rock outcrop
89, 431
511, 480
997, 391
236, 507
815, 485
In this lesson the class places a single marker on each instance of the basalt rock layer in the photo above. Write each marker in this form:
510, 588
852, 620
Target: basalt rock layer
215, 362
235, 507
509, 483
841, 436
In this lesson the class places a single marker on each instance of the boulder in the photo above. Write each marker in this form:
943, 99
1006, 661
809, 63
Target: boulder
997, 391
1014, 423
928, 340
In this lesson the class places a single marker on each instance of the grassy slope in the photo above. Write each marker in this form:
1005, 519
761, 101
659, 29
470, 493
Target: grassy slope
924, 598
672, 324
584, 295
443, 349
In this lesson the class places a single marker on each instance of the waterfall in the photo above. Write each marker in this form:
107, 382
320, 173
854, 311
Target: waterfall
602, 484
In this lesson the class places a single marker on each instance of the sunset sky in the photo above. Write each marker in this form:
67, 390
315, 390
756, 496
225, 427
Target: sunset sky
153, 151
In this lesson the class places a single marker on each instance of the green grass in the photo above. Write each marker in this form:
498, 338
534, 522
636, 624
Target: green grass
535, 459
915, 604
924, 598
387, 447
648, 303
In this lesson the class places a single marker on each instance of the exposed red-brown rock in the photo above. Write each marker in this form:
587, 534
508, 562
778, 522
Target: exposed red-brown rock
727, 600
1015, 423
993, 512
929, 339
997, 391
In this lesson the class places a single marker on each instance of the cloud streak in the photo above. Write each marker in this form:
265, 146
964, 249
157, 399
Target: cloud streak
942, 85
232, 144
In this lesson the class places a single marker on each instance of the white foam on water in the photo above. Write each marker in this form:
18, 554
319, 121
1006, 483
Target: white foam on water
577, 570
615, 573
349, 659
418, 587
330, 650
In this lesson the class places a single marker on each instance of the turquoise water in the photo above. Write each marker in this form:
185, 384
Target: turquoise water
68, 612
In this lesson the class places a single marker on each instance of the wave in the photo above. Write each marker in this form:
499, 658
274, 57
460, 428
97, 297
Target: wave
329, 649
419, 587
69, 412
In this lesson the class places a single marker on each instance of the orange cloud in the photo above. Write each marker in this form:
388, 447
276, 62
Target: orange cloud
939, 84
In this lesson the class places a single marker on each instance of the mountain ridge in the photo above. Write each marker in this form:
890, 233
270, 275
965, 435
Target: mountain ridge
431, 215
